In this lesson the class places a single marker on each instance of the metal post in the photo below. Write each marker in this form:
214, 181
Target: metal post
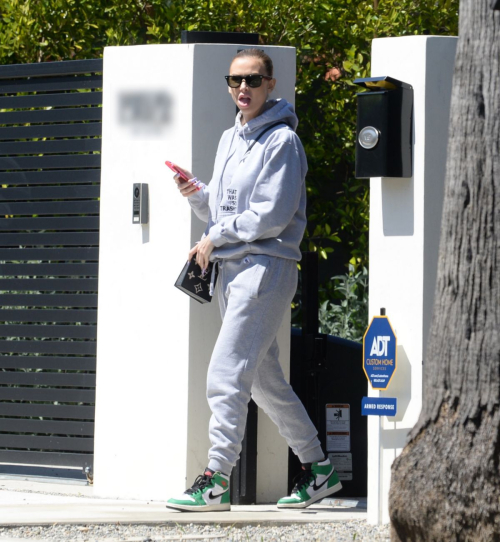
310, 297
244, 475
314, 343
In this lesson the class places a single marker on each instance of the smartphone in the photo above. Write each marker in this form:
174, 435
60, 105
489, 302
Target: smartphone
174, 168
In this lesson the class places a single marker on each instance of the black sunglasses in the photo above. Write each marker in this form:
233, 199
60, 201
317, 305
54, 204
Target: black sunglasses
252, 80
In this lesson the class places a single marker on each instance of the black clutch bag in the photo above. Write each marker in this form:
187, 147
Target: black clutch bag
193, 283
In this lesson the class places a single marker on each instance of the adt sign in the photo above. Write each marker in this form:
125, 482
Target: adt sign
379, 352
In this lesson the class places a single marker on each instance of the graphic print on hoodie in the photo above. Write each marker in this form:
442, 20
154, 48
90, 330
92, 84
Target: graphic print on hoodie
230, 203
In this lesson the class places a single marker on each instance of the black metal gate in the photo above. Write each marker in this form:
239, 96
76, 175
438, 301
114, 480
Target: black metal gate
50, 142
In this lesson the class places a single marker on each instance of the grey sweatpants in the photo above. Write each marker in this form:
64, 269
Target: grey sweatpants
254, 293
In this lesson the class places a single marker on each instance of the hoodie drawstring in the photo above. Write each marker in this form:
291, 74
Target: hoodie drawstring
213, 276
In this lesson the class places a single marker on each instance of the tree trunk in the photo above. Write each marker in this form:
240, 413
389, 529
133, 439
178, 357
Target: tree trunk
446, 483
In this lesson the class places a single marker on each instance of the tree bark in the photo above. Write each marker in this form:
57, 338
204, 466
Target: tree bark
446, 483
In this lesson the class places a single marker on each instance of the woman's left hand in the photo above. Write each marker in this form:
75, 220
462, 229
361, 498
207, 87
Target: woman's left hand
203, 249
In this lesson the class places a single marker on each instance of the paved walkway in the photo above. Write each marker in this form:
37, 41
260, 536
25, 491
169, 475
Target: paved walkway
42, 502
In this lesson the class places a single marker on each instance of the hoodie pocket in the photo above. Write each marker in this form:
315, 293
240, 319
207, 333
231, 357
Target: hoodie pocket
259, 265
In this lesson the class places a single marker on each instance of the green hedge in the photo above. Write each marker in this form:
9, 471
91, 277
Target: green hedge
332, 38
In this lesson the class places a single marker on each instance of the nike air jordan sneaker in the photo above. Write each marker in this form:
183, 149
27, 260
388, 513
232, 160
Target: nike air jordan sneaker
209, 493
313, 484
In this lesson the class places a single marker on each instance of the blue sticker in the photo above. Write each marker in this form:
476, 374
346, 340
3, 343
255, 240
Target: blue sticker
379, 406
379, 353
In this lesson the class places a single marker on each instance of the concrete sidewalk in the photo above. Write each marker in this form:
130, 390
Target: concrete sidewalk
43, 502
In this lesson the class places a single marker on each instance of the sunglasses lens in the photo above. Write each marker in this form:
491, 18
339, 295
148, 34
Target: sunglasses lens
253, 81
234, 81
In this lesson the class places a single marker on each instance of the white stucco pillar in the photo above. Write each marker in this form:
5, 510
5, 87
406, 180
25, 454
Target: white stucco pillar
405, 219
163, 102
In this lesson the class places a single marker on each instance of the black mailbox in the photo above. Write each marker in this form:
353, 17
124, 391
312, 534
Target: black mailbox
384, 128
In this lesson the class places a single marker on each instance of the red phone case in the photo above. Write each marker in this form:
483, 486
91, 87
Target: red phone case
176, 170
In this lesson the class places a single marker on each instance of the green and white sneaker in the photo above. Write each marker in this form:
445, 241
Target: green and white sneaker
209, 493
312, 485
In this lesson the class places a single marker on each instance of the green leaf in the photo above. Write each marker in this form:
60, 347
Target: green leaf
333, 44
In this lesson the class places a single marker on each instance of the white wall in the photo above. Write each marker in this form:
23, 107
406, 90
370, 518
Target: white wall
405, 218
154, 344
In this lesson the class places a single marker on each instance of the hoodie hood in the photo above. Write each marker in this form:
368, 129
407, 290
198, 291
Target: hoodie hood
274, 111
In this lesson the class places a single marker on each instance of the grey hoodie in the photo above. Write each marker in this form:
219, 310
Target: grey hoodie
256, 201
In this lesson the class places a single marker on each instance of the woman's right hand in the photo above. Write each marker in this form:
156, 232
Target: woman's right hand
186, 188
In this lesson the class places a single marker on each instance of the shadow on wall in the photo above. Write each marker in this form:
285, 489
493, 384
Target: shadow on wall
400, 385
398, 206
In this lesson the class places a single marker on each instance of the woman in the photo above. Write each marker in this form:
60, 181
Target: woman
255, 212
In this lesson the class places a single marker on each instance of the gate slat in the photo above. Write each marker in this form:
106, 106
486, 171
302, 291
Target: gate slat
51, 177
48, 347
44, 394
51, 147
51, 84
44, 69
76, 380
78, 191
52, 130
51, 161
60, 224
49, 254
51, 115
48, 300
76, 363
46, 458
55, 285
46, 426
51, 100
48, 332
50, 208
31, 410
47, 239
49, 269
61, 316
68, 444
